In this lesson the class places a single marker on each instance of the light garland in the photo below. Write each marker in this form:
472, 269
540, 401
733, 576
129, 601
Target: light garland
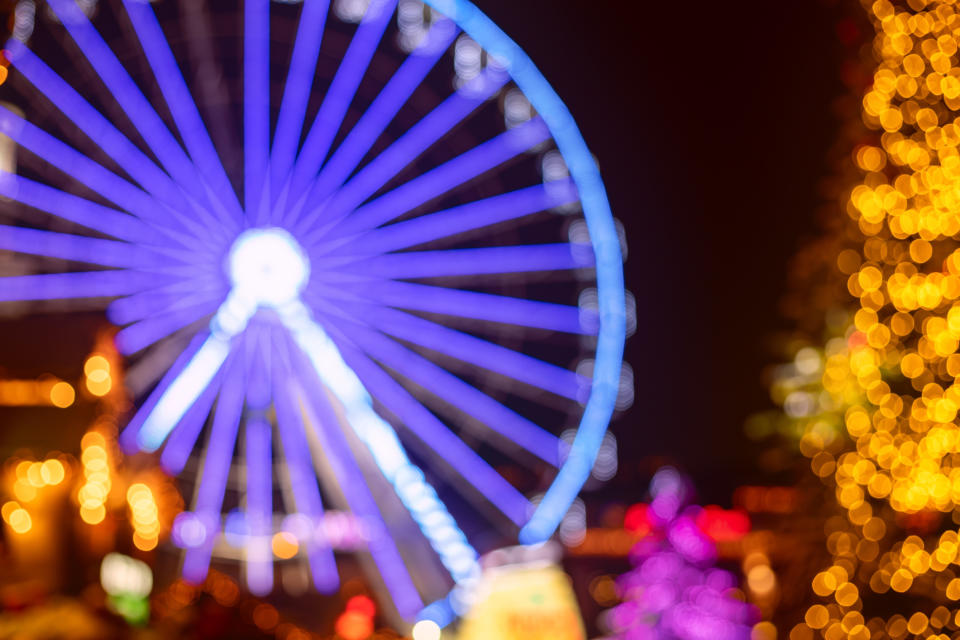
876, 408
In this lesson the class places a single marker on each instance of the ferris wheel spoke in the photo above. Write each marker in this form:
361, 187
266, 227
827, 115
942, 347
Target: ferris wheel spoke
302, 478
77, 210
146, 332
339, 95
296, 92
384, 108
467, 348
474, 305
183, 438
259, 505
95, 126
439, 438
105, 253
105, 183
462, 218
472, 262
258, 454
324, 423
384, 167
468, 166
130, 437
78, 284
455, 391
256, 108
134, 104
215, 471
172, 296
182, 106
382, 111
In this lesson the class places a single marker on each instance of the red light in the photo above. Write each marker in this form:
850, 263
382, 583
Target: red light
636, 520
363, 605
353, 625
723, 526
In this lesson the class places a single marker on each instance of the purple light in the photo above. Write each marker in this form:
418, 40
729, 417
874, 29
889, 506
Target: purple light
296, 92
384, 108
182, 107
83, 284
256, 108
180, 294
259, 457
468, 348
129, 97
144, 333
90, 173
340, 95
216, 469
466, 217
427, 186
464, 304
303, 479
468, 262
672, 592
458, 393
183, 438
129, 437
96, 127
69, 207
401, 153
188, 530
436, 435
323, 421
106, 253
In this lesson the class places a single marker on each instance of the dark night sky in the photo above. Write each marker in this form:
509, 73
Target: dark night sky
711, 122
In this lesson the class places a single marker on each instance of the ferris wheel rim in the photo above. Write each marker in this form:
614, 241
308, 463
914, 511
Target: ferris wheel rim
599, 408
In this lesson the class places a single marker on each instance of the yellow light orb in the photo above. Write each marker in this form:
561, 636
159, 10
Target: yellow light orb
95, 364
285, 545
20, 521
52, 472
62, 395
93, 514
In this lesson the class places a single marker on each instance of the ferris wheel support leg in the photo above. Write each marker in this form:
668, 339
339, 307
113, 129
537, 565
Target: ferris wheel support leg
420, 499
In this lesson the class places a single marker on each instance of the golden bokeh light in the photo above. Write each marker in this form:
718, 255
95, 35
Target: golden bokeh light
285, 545
875, 407
62, 394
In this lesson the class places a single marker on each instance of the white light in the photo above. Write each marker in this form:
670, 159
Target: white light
426, 630
120, 574
350, 10
268, 266
183, 392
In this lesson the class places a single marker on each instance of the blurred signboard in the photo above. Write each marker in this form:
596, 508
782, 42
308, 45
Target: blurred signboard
529, 599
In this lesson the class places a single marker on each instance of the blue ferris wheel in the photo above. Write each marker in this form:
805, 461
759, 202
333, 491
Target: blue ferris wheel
353, 303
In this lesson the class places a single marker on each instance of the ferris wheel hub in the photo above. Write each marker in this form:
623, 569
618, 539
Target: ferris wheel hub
268, 267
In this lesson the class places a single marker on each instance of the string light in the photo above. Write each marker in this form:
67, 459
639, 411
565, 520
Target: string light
875, 407
96, 472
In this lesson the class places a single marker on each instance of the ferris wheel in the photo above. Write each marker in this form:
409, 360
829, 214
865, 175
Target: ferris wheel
384, 276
